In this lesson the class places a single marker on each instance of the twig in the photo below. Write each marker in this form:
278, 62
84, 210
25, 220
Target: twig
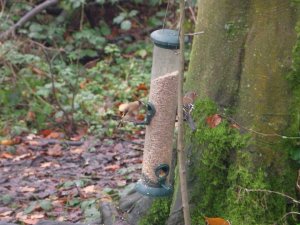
2, 3
28, 86
298, 181
181, 153
196, 33
191, 11
271, 192
49, 62
260, 133
27, 17
287, 214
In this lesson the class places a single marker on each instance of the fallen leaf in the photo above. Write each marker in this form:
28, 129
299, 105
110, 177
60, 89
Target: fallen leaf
27, 189
121, 183
89, 189
77, 151
216, 221
213, 120
142, 87
30, 116
29, 221
45, 132
55, 135
20, 157
235, 126
112, 167
55, 151
6, 213
38, 71
6, 155
7, 142
37, 216
49, 164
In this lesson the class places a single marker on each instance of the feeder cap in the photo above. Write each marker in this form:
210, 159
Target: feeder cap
166, 38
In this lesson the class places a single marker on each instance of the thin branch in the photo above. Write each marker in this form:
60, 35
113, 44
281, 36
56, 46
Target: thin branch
193, 34
192, 11
259, 133
271, 192
181, 153
28, 16
28, 86
49, 62
287, 214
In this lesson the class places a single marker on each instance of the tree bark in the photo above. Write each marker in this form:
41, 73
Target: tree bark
241, 63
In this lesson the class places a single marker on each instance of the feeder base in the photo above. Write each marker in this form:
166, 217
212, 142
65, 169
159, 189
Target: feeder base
147, 190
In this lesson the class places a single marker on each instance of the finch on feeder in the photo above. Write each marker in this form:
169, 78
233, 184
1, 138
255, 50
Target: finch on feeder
129, 110
188, 105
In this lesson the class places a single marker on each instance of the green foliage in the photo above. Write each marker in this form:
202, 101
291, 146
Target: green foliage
158, 212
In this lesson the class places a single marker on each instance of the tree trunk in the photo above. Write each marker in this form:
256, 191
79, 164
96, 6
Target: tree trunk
242, 62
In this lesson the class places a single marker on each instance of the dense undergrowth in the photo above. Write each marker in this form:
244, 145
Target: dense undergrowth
72, 65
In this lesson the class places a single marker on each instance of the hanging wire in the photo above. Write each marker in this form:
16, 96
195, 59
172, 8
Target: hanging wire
167, 10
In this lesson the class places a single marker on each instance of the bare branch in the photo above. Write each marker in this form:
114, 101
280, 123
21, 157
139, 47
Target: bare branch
271, 192
36, 10
287, 214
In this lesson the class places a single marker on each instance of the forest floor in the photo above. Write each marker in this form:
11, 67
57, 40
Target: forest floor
48, 178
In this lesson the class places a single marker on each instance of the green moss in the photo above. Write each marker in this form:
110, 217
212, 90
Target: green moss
294, 80
214, 147
225, 165
158, 212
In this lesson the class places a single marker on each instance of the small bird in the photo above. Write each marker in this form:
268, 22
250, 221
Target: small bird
129, 110
188, 105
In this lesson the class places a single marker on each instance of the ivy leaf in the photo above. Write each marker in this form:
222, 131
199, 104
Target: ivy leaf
126, 25
46, 205
119, 18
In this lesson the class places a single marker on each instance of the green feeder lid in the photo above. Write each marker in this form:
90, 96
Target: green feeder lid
166, 38
147, 190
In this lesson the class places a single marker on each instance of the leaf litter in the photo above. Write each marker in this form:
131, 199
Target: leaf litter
53, 180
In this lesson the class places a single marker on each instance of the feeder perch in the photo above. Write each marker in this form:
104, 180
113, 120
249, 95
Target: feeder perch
160, 130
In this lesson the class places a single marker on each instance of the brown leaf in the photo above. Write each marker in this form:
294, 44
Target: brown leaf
112, 167
89, 189
30, 116
213, 120
55, 135
7, 142
27, 189
55, 151
49, 164
6, 155
45, 132
20, 157
142, 87
216, 221
77, 150
38, 71
6, 213
235, 126
29, 221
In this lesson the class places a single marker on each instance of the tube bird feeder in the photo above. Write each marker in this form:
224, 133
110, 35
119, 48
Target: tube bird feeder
163, 101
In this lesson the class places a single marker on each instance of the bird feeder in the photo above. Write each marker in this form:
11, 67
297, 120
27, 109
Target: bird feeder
163, 102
